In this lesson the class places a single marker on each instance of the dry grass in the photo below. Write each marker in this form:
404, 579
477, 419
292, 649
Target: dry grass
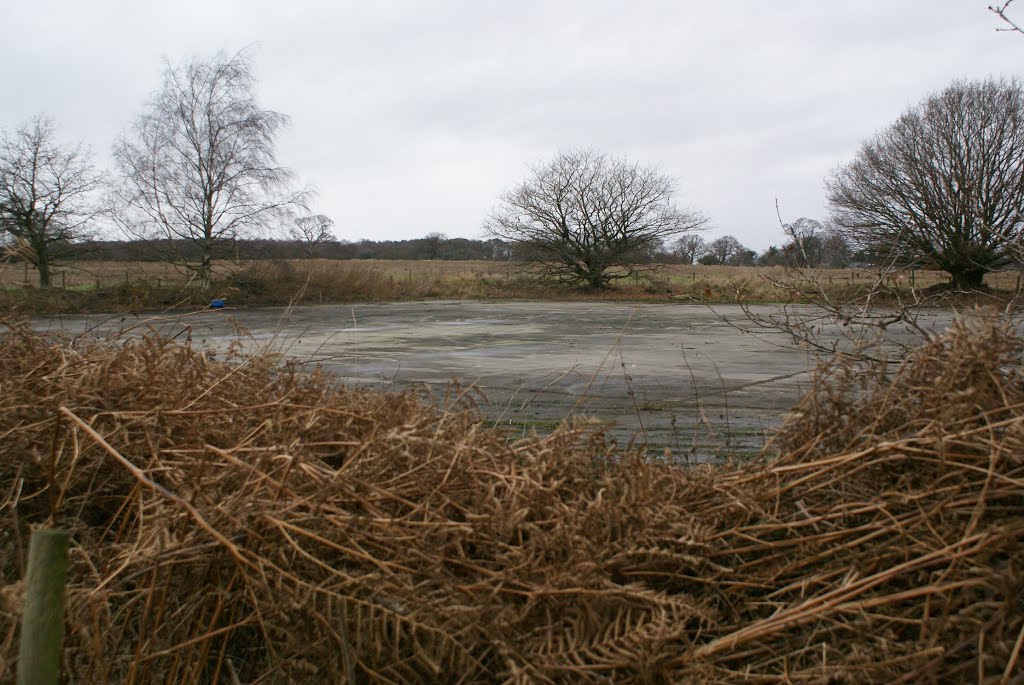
244, 522
118, 286
93, 274
101, 274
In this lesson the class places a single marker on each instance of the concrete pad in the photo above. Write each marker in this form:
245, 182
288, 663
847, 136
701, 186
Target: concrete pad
681, 378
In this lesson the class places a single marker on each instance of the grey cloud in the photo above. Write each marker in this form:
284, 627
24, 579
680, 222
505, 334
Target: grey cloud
412, 116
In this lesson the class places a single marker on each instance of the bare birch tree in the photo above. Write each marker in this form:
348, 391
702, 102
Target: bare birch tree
199, 166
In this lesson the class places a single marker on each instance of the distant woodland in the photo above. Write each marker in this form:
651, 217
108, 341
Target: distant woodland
422, 248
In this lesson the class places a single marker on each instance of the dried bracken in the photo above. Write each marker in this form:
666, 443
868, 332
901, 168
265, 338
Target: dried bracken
243, 520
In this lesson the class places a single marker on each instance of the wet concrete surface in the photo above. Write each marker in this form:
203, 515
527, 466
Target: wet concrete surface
681, 378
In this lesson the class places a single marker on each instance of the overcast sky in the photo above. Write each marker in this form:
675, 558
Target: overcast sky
411, 117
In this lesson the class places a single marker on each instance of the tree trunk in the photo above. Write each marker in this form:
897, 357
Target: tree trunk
968, 279
596, 279
205, 267
43, 265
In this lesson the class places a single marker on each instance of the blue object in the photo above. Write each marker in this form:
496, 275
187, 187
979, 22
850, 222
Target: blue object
217, 303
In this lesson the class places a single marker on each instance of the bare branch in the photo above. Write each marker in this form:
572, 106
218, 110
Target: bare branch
1001, 12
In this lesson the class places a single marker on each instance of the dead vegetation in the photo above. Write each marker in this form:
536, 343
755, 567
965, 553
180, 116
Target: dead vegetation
244, 522
88, 286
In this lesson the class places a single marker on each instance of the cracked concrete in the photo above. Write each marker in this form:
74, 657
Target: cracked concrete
682, 377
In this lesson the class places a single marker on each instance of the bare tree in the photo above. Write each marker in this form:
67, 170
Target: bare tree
434, 242
812, 244
722, 250
743, 257
689, 248
835, 249
944, 186
772, 256
47, 192
311, 231
887, 315
804, 248
1002, 11
199, 165
586, 219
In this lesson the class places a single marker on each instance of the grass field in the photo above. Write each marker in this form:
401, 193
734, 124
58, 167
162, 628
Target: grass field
114, 286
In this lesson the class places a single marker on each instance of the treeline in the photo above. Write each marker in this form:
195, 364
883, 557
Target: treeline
420, 248
813, 246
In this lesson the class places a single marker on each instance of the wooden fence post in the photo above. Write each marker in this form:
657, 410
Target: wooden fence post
42, 624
